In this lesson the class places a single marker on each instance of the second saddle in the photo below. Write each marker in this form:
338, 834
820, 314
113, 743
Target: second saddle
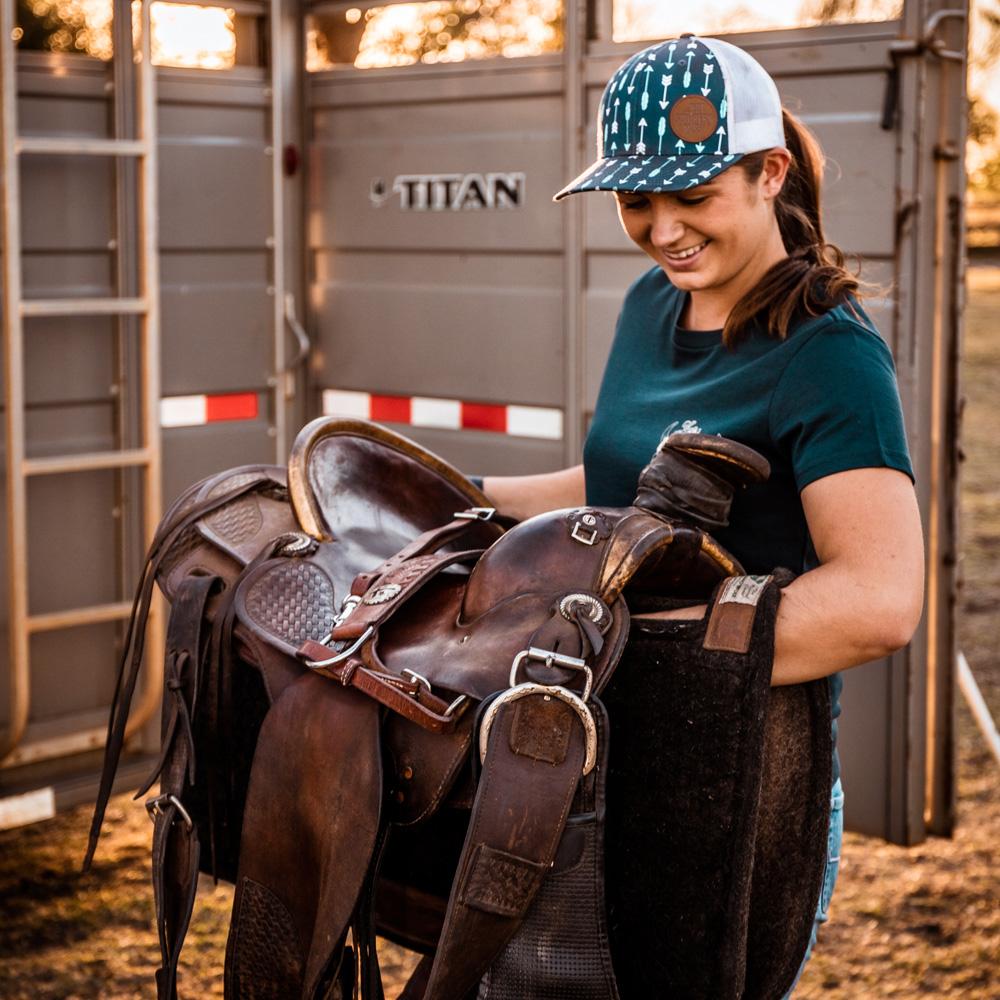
385, 712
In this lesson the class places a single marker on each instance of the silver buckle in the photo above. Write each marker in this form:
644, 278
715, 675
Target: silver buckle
547, 691
551, 659
453, 707
349, 604
344, 653
417, 679
155, 808
577, 528
476, 514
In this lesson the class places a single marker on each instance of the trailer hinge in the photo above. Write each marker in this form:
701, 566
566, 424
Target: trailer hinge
928, 44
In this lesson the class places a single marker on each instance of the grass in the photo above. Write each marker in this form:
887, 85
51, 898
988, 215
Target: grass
905, 923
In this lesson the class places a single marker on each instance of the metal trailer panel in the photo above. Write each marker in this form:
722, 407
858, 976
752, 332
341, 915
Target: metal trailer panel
476, 451
478, 326
192, 453
217, 311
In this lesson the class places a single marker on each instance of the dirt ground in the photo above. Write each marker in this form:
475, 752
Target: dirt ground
906, 923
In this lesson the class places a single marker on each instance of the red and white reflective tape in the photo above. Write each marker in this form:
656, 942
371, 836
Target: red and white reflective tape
450, 414
193, 411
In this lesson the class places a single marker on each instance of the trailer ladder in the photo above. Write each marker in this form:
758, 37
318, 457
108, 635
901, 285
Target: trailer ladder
136, 308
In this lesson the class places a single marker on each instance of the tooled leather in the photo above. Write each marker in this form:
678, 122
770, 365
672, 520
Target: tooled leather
237, 521
291, 600
265, 959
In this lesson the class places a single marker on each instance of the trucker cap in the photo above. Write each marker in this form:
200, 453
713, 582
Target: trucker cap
677, 114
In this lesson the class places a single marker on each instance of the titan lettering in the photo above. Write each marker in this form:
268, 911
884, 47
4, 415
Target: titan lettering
453, 192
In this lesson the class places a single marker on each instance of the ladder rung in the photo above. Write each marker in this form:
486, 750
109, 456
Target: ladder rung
95, 615
80, 147
83, 307
86, 462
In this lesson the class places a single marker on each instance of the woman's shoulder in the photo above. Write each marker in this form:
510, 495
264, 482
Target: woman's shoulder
846, 328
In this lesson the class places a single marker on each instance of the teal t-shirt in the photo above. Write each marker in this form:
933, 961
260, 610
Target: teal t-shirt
822, 401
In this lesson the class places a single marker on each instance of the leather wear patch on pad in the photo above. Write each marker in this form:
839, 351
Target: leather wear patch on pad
731, 623
694, 118
500, 883
541, 729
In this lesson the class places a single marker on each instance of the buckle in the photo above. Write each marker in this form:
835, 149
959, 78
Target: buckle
344, 653
576, 533
349, 604
547, 691
154, 807
551, 659
419, 680
476, 514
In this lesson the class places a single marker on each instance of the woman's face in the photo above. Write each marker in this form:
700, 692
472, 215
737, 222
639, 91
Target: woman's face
718, 235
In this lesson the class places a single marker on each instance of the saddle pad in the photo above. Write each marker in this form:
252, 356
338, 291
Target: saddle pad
717, 809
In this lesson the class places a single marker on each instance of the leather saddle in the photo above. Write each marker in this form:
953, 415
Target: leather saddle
384, 712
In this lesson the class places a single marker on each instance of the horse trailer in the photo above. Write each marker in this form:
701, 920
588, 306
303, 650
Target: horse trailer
345, 208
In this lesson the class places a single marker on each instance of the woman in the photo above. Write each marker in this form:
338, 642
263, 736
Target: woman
749, 326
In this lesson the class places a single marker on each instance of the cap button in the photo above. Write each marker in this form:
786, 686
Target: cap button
689, 34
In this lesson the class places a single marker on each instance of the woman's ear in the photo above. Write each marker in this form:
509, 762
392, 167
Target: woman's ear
777, 162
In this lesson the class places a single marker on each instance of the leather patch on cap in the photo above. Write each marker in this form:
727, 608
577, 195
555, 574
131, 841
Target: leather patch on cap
731, 623
541, 729
694, 118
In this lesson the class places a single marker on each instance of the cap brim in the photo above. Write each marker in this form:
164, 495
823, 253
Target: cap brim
649, 173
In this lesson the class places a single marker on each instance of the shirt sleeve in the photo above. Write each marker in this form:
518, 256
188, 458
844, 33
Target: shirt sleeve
836, 406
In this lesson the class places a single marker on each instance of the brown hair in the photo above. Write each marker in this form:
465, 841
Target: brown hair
812, 279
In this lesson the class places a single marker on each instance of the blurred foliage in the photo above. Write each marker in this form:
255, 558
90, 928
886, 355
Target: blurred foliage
183, 34
434, 31
984, 117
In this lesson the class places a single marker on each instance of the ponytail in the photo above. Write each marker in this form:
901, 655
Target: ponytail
812, 279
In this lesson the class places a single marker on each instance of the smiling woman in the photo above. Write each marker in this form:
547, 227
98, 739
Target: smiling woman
749, 326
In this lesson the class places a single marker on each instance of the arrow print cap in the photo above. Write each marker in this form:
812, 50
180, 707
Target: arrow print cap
679, 113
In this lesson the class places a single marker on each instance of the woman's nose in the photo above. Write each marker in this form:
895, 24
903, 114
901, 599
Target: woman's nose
666, 227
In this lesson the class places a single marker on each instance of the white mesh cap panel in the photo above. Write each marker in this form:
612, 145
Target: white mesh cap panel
753, 117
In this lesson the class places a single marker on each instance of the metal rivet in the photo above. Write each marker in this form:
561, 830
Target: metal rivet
399, 796
589, 520
407, 773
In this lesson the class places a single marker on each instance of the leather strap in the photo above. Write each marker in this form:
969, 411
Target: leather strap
405, 697
532, 768
130, 661
176, 848
429, 541
392, 589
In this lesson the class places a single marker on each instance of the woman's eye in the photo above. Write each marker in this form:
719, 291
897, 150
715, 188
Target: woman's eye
635, 203
693, 201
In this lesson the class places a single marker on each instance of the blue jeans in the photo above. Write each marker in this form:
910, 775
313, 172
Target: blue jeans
834, 838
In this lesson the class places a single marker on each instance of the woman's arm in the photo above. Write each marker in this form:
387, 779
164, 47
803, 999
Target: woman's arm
524, 496
864, 601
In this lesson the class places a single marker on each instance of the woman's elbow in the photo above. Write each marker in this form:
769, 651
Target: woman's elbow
899, 620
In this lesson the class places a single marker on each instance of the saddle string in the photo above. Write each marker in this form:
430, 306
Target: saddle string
130, 661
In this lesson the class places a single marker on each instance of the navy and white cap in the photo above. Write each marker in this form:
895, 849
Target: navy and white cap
677, 114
